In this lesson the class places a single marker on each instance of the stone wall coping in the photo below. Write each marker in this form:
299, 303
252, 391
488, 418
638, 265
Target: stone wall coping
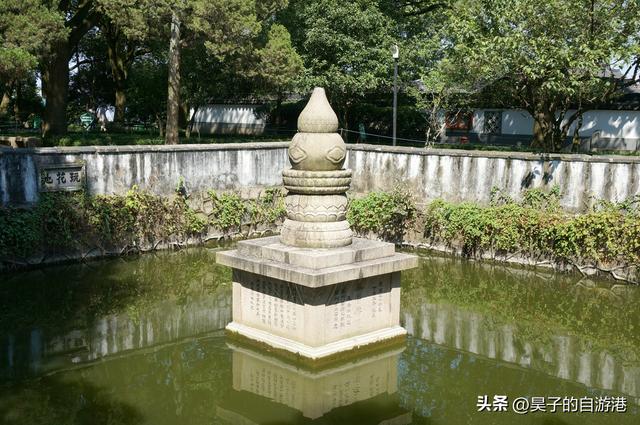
353, 147
495, 154
116, 149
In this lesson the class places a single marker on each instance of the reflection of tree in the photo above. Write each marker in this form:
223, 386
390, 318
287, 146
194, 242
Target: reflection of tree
175, 384
55, 400
59, 298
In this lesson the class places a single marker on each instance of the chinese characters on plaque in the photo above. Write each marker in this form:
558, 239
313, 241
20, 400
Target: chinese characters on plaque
61, 177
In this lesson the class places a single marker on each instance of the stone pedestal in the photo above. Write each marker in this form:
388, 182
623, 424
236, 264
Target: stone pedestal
316, 303
269, 390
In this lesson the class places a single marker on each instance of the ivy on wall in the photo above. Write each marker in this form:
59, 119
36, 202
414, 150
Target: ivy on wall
606, 238
61, 223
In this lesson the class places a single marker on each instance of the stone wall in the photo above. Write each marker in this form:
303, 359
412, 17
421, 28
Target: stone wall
454, 175
457, 175
157, 169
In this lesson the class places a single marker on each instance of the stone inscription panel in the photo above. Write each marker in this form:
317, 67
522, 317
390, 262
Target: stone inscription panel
316, 316
271, 305
359, 306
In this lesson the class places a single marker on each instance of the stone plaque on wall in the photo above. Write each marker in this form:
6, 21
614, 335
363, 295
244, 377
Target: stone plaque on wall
67, 177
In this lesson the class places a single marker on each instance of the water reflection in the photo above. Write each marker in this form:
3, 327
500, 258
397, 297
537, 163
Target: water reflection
35, 352
141, 342
362, 391
563, 356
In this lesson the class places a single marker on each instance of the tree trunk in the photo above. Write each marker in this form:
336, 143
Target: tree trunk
160, 125
183, 116
278, 120
576, 141
543, 129
345, 118
120, 58
18, 103
121, 101
173, 95
538, 132
189, 128
55, 87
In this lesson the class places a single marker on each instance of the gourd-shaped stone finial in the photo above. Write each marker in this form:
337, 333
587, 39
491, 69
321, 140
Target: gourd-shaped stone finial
317, 146
318, 116
316, 203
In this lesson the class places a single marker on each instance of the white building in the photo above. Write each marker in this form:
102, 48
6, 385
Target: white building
229, 119
601, 129
616, 127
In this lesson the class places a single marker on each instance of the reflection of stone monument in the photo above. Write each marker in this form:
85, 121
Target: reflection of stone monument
316, 291
268, 390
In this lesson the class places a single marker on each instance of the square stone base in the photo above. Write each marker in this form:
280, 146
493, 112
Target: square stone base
316, 267
316, 303
368, 340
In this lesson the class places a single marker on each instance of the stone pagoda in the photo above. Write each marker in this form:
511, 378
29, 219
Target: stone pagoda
315, 290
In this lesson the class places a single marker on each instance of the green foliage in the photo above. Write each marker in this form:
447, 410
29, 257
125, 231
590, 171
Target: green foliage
537, 228
388, 214
280, 64
63, 223
531, 198
544, 56
57, 222
269, 208
70, 222
138, 218
377, 120
27, 29
61, 216
344, 45
227, 210
20, 232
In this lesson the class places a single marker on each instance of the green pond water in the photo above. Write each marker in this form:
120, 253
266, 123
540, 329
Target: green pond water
140, 341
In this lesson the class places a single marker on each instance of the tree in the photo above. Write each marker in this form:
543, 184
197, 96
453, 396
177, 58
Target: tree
280, 66
121, 53
147, 91
128, 25
225, 27
27, 29
344, 46
173, 94
551, 57
90, 82
78, 17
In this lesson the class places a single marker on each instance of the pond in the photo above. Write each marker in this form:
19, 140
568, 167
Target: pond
140, 340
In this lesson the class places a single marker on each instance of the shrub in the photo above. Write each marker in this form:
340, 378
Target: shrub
227, 210
388, 214
268, 208
535, 227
